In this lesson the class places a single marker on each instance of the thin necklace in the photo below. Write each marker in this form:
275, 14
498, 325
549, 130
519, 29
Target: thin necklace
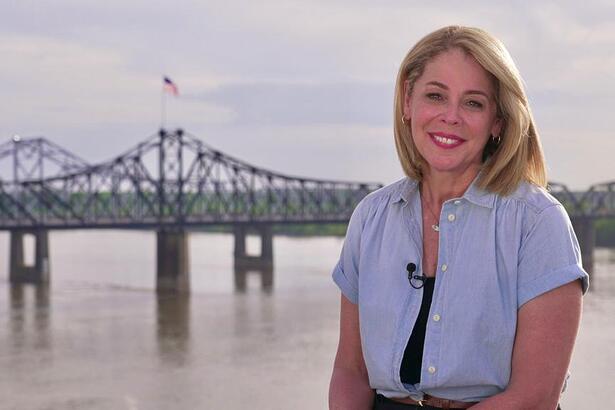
436, 226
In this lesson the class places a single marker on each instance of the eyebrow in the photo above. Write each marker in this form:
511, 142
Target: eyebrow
445, 87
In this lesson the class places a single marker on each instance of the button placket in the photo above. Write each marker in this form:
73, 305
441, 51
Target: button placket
450, 212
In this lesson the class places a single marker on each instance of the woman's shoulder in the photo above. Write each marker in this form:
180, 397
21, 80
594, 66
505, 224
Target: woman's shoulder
390, 193
380, 200
531, 197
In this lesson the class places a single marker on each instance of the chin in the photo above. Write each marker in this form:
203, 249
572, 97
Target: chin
444, 166
452, 166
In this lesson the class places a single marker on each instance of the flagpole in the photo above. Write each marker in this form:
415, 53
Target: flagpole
163, 108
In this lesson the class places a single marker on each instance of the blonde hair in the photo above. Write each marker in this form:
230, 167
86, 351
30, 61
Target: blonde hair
518, 157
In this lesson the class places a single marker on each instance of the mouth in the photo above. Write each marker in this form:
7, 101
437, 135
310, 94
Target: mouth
446, 140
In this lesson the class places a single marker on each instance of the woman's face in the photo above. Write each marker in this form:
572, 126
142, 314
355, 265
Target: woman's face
452, 112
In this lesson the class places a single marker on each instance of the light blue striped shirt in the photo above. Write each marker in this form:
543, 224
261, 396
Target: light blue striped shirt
495, 253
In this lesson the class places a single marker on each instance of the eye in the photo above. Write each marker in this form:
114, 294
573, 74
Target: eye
475, 104
434, 96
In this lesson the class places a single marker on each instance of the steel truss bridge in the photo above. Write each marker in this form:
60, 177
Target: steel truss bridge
170, 182
173, 181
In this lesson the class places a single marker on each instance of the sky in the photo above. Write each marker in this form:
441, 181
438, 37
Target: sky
299, 87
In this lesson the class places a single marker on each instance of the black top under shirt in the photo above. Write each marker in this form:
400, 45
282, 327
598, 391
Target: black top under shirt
410, 371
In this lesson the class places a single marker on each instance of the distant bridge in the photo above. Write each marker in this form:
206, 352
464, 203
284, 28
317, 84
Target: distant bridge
584, 208
597, 202
172, 182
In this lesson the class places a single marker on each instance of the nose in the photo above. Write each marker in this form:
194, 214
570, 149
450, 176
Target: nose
450, 115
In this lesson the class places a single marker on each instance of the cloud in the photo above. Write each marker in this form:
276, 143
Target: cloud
304, 103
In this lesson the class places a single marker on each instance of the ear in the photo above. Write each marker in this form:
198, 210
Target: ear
497, 126
407, 108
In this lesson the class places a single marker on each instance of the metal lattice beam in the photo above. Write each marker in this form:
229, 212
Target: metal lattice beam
170, 179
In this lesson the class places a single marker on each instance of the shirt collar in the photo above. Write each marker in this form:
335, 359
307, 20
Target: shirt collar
473, 194
479, 196
406, 188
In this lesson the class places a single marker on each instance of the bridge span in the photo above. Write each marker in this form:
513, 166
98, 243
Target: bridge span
584, 208
172, 183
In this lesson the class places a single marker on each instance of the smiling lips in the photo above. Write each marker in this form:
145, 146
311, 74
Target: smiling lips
446, 140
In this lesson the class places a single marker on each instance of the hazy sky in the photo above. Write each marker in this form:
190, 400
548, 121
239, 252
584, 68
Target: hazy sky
300, 87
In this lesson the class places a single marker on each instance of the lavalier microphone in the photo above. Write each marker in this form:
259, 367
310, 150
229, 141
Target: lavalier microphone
411, 268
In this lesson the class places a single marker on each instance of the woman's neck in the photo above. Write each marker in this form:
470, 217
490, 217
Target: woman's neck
439, 187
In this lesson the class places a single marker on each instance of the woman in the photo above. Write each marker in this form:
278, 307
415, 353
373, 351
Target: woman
461, 283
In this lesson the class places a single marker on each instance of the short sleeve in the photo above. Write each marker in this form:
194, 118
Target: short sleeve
346, 271
549, 256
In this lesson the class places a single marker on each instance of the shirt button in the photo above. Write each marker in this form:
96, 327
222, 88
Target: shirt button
457, 202
451, 217
431, 369
436, 317
444, 267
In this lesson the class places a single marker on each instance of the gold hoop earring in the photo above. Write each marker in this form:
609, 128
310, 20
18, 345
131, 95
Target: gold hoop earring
404, 120
496, 139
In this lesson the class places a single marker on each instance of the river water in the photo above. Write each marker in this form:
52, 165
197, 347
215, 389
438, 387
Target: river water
100, 338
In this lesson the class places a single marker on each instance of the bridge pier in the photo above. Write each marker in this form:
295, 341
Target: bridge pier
173, 264
261, 264
19, 272
245, 261
586, 234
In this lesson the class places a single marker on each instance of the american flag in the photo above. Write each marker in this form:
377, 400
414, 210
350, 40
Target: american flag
169, 86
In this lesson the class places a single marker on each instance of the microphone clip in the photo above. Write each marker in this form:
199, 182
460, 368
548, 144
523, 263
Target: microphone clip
411, 268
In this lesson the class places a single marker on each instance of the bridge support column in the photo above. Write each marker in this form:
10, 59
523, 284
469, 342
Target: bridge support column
245, 263
19, 272
586, 234
172, 270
